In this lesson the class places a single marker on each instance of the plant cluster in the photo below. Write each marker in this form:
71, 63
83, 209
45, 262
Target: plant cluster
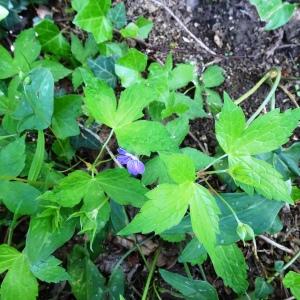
142, 110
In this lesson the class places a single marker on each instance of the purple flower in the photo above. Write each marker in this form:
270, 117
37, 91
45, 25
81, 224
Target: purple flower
133, 164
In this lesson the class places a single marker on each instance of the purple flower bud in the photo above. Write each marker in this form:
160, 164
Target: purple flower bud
133, 164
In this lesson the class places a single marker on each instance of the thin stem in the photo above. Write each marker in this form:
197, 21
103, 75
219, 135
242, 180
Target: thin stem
156, 291
11, 229
225, 202
268, 98
254, 88
202, 272
286, 266
212, 172
273, 243
103, 147
215, 161
153, 265
187, 270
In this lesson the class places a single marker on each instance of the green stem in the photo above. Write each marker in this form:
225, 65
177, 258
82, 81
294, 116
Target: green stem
215, 161
202, 272
103, 148
226, 203
11, 229
214, 172
156, 291
187, 270
153, 265
254, 88
286, 266
268, 98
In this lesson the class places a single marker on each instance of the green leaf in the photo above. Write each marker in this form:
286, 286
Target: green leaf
104, 69
181, 75
200, 159
113, 49
78, 5
117, 15
3, 13
213, 101
83, 52
255, 211
27, 50
20, 198
122, 188
38, 158
180, 167
167, 205
49, 270
57, 70
213, 76
291, 157
194, 253
66, 110
156, 172
63, 149
93, 18
51, 38
8, 255
128, 67
101, 102
144, 137
189, 288
261, 176
178, 129
116, 284
140, 29
19, 283
7, 66
230, 126
267, 132
230, 265
42, 239
204, 216
131, 104
86, 280
12, 158
292, 281
262, 288
36, 106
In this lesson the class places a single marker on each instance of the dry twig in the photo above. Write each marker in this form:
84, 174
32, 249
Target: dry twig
271, 242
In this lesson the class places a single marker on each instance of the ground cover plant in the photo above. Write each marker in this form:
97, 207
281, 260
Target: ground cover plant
91, 147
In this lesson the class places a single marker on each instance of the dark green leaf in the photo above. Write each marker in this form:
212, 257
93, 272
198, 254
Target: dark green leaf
117, 15
194, 253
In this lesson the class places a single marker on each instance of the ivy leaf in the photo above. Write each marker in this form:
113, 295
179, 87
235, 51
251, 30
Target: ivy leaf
180, 167
42, 239
204, 216
181, 75
122, 188
200, 159
292, 281
261, 176
167, 205
104, 69
20, 198
49, 270
8, 255
116, 284
144, 137
36, 106
230, 265
213, 76
12, 158
86, 280
83, 52
57, 70
51, 39
140, 29
189, 288
18, 277
128, 67
27, 50
101, 102
93, 18
66, 110
262, 288
267, 133
117, 15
